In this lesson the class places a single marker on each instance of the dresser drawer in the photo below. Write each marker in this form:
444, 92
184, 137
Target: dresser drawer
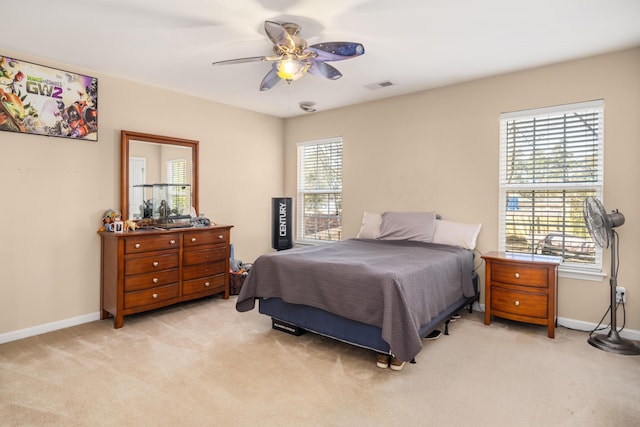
519, 303
150, 280
203, 270
519, 274
150, 264
138, 244
198, 238
150, 296
213, 284
201, 257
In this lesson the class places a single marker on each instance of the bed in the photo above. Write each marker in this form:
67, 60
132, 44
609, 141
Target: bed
381, 293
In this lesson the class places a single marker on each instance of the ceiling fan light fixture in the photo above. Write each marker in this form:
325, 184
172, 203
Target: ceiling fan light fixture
294, 58
291, 69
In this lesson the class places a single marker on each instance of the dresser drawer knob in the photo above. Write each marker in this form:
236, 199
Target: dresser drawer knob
516, 303
193, 239
154, 296
156, 263
172, 242
207, 284
137, 245
517, 275
155, 280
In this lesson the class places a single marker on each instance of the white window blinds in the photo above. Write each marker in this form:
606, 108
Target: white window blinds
551, 160
179, 193
320, 190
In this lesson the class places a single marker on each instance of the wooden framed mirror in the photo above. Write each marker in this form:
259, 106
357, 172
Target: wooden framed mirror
157, 163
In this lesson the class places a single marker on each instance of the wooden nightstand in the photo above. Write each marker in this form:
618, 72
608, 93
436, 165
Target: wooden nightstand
522, 287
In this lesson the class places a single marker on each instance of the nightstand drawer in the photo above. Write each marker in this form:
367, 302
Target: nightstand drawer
519, 303
520, 275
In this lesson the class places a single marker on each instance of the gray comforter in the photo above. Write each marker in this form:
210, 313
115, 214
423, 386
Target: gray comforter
395, 285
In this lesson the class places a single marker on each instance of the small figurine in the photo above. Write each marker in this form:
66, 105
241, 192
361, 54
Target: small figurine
130, 225
164, 210
108, 218
147, 208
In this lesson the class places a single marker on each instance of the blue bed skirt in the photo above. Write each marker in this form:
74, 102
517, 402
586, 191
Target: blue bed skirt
350, 331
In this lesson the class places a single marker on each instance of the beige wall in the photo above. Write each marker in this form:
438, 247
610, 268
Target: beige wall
438, 150
55, 191
432, 150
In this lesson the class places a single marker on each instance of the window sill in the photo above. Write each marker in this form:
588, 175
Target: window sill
572, 273
302, 243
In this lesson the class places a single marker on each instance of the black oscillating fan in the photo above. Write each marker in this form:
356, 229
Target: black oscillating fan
601, 228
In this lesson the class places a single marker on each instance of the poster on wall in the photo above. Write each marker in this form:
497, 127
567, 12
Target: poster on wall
46, 101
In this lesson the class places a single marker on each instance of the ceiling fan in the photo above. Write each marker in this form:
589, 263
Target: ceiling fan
292, 57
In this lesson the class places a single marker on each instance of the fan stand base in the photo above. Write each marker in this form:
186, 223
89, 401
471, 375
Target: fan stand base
613, 343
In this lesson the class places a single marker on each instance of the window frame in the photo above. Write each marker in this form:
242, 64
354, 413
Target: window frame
301, 192
567, 269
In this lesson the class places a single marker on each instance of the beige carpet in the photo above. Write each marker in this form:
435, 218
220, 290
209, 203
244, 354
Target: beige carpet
202, 364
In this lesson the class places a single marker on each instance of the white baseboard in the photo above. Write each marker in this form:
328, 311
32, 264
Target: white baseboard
630, 334
48, 327
580, 325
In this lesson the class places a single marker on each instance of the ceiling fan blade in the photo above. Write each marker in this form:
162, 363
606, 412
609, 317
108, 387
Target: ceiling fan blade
336, 51
240, 60
270, 80
279, 35
319, 68
249, 59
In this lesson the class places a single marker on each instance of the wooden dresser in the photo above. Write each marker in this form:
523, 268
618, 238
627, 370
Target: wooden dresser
522, 287
145, 270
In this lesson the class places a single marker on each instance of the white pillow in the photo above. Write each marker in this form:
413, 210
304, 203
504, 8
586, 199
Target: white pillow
407, 226
456, 234
370, 228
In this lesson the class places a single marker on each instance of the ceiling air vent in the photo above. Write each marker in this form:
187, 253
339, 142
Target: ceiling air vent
379, 85
307, 107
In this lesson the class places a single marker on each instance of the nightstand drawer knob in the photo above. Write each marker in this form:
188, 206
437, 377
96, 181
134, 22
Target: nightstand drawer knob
221, 237
154, 296
155, 280
207, 284
193, 239
156, 263
137, 245
517, 303
172, 242
517, 275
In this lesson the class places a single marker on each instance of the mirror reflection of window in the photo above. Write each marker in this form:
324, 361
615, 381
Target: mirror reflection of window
137, 176
177, 174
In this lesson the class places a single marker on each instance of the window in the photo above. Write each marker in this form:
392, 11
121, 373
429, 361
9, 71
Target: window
320, 190
551, 159
177, 174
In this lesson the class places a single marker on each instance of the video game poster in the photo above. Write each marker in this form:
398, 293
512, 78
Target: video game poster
45, 101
